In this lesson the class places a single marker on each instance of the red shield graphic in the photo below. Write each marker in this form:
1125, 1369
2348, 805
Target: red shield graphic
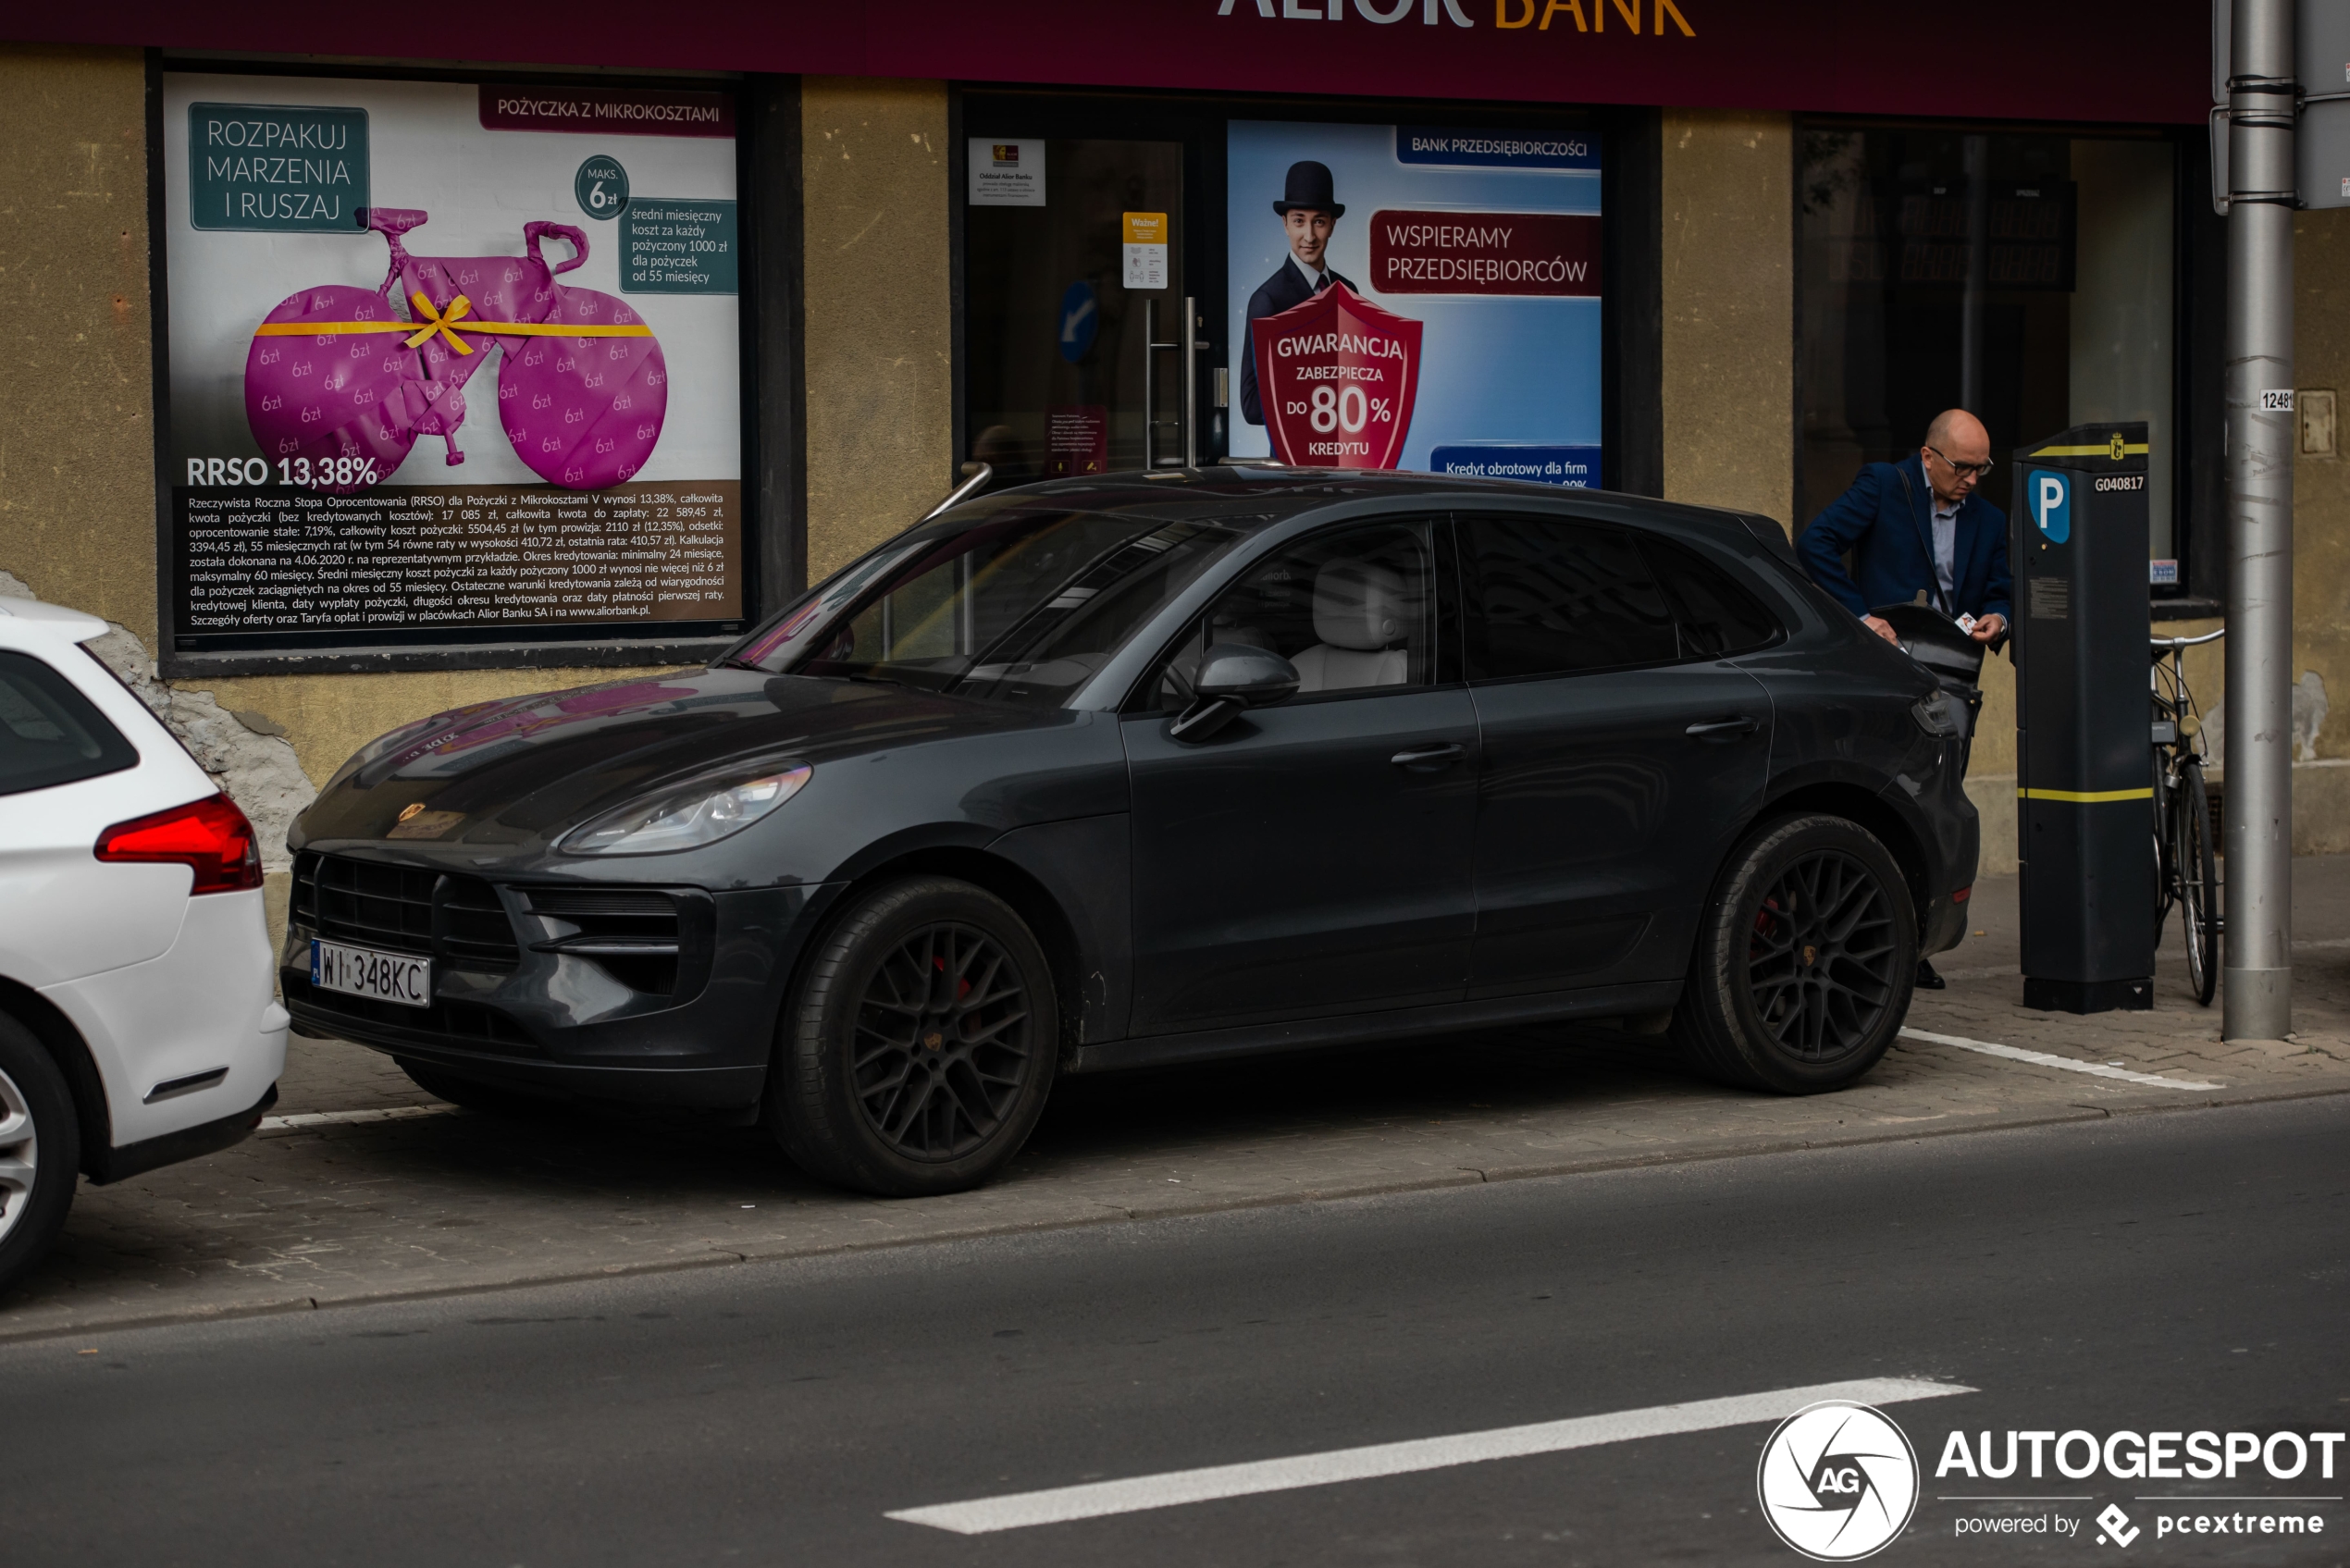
1337, 376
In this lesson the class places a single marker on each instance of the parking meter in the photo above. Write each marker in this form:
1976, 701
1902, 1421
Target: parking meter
2084, 768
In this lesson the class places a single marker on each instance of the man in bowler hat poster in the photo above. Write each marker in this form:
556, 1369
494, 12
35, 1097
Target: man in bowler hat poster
1310, 211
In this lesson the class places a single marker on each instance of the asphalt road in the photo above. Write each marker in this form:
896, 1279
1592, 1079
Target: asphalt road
2175, 1271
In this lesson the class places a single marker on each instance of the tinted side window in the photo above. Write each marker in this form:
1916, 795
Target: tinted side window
1549, 597
1351, 608
49, 733
1717, 617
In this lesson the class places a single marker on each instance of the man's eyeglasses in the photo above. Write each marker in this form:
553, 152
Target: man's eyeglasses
1963, 470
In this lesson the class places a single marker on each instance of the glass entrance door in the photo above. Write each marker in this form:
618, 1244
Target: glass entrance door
1073, 268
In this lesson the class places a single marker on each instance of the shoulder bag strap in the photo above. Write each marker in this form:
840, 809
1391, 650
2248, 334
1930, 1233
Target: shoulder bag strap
1934, 577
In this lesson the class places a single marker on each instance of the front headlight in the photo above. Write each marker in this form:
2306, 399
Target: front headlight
688, 817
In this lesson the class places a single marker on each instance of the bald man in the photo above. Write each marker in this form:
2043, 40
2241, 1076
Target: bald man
1918, 525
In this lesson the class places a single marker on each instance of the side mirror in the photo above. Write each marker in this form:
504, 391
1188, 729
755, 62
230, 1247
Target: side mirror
1232, 677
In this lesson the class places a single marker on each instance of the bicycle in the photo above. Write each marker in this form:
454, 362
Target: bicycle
2187, 867
582, 387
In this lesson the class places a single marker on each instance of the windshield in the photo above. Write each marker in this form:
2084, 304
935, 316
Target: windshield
1021, 605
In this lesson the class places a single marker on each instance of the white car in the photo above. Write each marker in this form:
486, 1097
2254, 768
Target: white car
139, 1023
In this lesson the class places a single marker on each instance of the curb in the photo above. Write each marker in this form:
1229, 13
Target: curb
1111, 1215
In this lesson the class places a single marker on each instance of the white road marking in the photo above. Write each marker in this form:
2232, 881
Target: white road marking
984, 1515
2042, 1059
331, 1119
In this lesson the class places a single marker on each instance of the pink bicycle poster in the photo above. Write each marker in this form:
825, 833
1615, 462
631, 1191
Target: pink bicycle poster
450, 359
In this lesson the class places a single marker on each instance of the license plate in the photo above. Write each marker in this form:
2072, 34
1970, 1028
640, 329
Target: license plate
363, 971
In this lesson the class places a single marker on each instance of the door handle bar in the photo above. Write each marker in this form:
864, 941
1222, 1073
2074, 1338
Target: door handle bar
1722, 729
1427, 755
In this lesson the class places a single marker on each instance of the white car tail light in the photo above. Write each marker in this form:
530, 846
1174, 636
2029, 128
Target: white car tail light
210, 836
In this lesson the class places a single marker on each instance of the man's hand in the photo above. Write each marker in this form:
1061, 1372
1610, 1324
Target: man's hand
1988, 627
1884, 630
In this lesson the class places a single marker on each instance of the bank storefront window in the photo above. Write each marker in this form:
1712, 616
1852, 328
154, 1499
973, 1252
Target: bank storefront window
451, 364
1076, 251
1149, 282
2027, 276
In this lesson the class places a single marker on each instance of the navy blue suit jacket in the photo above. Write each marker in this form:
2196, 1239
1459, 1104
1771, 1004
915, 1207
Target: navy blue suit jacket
1285, 289
1889, 531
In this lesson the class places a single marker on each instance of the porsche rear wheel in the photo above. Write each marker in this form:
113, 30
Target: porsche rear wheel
1805, 962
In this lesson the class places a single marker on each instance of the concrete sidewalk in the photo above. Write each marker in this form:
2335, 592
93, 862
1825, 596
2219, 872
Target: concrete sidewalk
319, 1210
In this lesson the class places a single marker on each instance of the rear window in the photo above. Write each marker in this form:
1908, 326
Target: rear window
1550, 597
1716, 616
50, 733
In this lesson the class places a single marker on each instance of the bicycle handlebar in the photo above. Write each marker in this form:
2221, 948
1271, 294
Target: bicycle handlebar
2187, 642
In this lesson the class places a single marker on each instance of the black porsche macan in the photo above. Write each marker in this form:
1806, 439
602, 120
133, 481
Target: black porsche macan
1100, 774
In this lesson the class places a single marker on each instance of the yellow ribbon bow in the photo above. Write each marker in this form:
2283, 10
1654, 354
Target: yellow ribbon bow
435, 322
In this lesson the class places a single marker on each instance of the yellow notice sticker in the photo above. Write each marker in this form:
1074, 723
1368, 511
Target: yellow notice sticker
1146, 250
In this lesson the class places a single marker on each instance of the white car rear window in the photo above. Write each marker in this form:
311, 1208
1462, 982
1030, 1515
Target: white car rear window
50, 733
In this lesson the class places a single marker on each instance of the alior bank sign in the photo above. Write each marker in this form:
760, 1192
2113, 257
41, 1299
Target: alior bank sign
1826, 56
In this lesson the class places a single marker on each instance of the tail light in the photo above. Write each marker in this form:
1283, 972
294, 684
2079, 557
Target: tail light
210, 836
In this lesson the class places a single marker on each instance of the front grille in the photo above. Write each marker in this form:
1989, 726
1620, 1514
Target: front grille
634, 935
474, 931
457, 918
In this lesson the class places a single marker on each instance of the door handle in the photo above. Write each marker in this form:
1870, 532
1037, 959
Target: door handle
1428, 759
1721, 729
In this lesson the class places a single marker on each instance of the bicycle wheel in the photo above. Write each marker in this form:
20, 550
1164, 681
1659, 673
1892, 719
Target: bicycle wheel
2166, 873
2199, 880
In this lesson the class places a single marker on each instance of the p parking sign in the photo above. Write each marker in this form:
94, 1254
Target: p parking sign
2048, 494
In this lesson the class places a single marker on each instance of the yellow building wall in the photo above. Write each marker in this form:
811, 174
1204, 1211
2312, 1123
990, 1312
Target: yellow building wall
2321, 482
77, 438
879, 343
1728, 198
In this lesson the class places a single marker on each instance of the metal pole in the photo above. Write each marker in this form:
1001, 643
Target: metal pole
1191, 382
1150, 377
2258, 825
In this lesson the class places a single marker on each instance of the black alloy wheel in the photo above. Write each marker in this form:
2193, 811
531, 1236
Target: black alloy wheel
1818, 958
943, 1042
1807, 957
917, 1052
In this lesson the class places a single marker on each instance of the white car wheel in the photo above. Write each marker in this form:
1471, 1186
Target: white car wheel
20, 1156
40, 1151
